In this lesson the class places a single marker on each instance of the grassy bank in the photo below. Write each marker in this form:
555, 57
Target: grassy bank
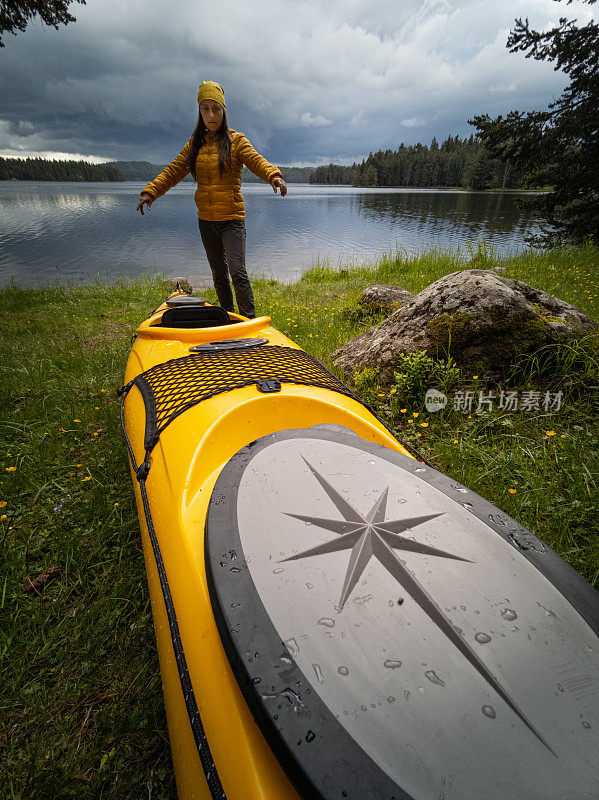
81, 709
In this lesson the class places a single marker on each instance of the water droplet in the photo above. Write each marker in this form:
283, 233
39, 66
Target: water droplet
306, 522
391, 664
292, 646
318, 671
327, 622
421, 689
532, 627
482, 638
234, 569
278, 571
285, 658
286, 694
463, 608
548, 611
402, 500
406, 694
560, 687
391, 603
420, 469
467, 505
343, 670
256, 680
359, 601
489, 711
509, 614
586, 725
310, 736
400, 601
370, 462
309, 585
459, 488
391, 699
434, 678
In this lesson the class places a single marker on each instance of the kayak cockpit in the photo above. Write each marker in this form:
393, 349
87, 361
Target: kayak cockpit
195, 316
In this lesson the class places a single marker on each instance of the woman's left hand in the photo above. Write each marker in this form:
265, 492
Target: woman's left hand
278, 182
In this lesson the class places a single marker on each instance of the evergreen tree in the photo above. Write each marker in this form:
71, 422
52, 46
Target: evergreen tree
16, 14
558, 147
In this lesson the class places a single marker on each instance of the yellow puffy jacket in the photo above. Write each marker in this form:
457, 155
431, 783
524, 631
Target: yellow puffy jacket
217, 197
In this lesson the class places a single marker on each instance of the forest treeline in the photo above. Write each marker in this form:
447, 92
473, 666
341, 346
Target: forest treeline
43, 169
455, 162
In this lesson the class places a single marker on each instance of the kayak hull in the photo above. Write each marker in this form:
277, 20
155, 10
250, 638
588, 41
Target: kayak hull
259, 474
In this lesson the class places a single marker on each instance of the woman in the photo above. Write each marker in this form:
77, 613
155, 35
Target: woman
215, 155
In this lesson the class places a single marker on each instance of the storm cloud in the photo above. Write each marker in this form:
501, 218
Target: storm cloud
309, 82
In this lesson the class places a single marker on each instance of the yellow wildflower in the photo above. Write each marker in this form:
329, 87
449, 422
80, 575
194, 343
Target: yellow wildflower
11, 469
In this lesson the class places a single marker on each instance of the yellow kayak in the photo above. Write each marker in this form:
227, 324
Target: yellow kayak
334, 617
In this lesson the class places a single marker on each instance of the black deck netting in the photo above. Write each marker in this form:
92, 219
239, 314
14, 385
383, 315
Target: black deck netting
171, 388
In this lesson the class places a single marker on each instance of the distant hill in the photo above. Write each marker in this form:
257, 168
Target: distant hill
291, 175
145, 171
139, 170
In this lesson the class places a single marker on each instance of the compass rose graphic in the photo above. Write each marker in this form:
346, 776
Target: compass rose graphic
372, 535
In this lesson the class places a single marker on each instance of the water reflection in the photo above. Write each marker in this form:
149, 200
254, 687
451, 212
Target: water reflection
495, 213
52, 232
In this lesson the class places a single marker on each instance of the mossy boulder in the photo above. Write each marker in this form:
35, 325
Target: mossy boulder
381, 299
479, 317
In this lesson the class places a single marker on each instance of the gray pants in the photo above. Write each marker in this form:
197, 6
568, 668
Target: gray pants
225, 247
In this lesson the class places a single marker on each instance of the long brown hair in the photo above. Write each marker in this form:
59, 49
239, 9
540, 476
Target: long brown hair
223, 141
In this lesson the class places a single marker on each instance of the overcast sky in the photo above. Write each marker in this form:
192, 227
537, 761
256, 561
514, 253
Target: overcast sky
309, 82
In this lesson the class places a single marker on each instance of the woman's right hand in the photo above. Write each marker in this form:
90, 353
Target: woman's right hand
146, 199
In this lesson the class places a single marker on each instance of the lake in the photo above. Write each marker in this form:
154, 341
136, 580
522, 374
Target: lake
79, 232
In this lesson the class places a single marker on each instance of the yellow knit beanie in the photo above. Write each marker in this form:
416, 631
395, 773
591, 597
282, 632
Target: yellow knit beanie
209, 90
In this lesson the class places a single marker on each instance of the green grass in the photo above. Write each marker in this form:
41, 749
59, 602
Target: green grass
81, 710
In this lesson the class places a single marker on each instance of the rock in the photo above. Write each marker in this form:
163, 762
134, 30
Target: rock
482, 318
378, 299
